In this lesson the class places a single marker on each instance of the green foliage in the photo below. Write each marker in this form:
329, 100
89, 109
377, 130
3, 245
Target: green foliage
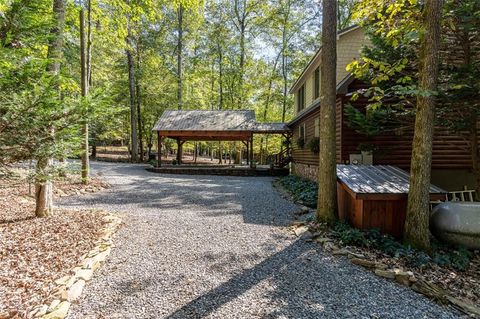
302, 190
300, 142
314, 145
441, 255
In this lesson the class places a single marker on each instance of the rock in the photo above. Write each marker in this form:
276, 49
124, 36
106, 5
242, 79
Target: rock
363, 262
355, 255
41, 311
390, 274
403, 277
85, 274
300, 230
303, 210
381, 266
76, 290
307, 236
341, 252
62, 281
70, 282
329, 246
59, 312
60, 293
297, 224
464, 306
323, 240
53, 305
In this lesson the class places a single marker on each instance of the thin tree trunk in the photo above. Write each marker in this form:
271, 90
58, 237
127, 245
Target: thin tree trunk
84, 85
43, 183
89, 44
418, 208
179, 57
220, 80
131, 86
139, 104
327, 175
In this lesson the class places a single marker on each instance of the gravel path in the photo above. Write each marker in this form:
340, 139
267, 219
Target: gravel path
217, 247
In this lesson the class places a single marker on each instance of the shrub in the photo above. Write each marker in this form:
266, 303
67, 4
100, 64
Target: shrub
444, 256
314, 145
301, 142
302, 190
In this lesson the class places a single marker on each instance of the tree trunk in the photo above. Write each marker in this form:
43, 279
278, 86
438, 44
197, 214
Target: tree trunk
179, 57
418, 208
84, 85
89, 43
327, 175
131, 86
139, 105
43, 188
43, 183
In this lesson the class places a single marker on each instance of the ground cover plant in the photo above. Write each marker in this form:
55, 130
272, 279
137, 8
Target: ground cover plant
302, 190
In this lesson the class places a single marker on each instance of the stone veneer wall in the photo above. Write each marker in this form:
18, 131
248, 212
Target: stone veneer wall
304, 170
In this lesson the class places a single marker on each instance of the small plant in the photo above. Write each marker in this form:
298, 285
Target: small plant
301, 142
302, 190
174, 162
314, 145
458, 259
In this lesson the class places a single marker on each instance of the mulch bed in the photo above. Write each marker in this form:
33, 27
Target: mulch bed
34, 252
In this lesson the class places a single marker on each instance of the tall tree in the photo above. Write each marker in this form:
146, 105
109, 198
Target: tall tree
84, 72
417, 221
180, 11
131, 87
327, 175
43, 185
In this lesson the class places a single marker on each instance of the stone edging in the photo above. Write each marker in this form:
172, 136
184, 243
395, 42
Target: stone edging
69, 288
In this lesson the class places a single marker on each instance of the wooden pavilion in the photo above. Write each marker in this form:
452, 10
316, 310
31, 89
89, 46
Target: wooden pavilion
203, 125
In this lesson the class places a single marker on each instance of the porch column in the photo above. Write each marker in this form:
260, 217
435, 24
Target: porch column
159, 149
248, 152
251, 150
179, 151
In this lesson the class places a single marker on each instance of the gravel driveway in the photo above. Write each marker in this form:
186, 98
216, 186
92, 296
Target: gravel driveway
217, 247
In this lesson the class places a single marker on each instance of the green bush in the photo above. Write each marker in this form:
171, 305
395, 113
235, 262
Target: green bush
300, 142
302, 190
314, 145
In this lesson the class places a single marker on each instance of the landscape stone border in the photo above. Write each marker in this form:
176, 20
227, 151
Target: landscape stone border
69, 288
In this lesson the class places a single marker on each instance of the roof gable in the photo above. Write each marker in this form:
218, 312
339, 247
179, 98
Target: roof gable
315, 60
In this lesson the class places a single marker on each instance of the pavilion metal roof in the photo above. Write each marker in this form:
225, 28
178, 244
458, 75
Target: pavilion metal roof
202, 120
215, 121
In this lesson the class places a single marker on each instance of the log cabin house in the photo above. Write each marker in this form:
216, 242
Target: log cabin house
451, 161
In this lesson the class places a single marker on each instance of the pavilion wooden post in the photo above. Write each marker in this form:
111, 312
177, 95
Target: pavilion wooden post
248, 152
159, 149
179, 151
251, 150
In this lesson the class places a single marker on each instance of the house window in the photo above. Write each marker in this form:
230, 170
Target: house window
316, 83
317, 127
301, 131
301, 98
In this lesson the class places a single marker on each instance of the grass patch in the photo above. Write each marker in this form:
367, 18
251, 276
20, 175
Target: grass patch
302, 190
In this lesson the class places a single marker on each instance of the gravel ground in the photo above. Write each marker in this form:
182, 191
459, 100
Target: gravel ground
217, 247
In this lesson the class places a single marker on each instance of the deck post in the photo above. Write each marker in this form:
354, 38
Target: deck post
251, 150
248, 152
159, 149
179, 151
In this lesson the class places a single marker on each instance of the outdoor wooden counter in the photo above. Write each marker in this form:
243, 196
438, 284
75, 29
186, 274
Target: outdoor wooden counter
375, 196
